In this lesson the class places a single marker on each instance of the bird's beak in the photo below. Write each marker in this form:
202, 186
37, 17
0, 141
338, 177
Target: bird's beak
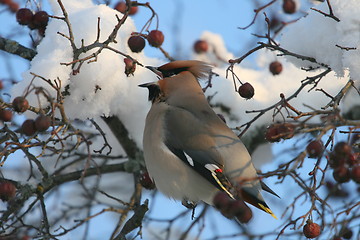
156, 71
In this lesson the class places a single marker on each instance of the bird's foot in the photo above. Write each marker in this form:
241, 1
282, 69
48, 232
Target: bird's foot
188, 204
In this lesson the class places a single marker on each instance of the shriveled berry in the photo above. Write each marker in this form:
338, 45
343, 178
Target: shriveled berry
121, 7
24, 16
136, 43
246, 90
155, 38
5, 115
315, 149
275, 67
7, 190
40, 19
20, 104
201, 46
130, 66
311, 229
289, 6
146, 181
42, 123
341, 174
28, 127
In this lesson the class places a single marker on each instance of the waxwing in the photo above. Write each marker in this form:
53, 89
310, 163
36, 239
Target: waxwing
189, 152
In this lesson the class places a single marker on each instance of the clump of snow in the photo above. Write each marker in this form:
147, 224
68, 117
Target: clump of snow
101, 87
317, 36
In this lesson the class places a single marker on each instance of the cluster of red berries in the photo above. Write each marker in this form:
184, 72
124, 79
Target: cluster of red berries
278, 131
345, 162
40, 124
39, 20
121, 7
13, 6
137, 42
232, 208
7, 190
30, 126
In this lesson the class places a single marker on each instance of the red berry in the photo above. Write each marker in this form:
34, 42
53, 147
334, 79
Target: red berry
42, 123
20, 104
24, 16
241, 211
289, 6
342, 149
146, 181
275, 67
221, 200
355, 173
130, 66
201, 46
5, 115
315, 149
336, 161
155, 38
341, 174
346, 233
286, 130
246, 90
271, 134
136, 43
7, 190
311, 229
28, 127
40, 19
121, 7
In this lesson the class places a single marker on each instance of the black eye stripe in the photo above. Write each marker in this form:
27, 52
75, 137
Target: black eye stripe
172, 72
154, 92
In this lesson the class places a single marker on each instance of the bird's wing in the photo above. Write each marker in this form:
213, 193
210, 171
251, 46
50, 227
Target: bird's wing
186, 137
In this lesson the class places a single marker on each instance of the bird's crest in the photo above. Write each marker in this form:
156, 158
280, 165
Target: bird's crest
197, 68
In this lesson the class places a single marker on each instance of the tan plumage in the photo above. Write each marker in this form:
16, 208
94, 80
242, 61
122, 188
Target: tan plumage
189, 151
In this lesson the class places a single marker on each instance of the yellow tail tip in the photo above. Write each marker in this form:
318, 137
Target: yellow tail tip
268, 210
